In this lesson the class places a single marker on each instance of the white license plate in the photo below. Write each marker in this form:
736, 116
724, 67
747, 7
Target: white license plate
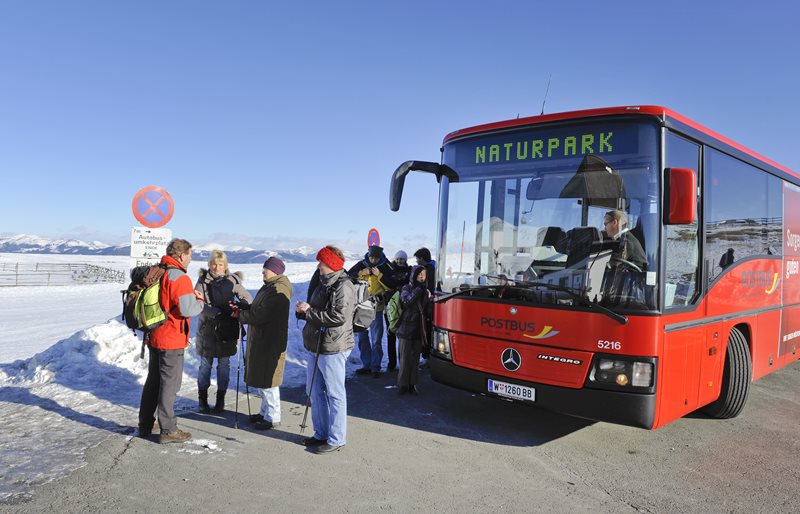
515, 391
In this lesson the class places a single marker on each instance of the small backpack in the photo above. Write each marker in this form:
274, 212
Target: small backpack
365, 310
141, 304
394, 309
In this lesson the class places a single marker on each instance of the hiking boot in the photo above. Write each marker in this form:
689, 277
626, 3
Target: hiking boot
202, 399
313, 441
220, 405
255, 418
147, 432
326, 448
176, 436
266, 425
363, 371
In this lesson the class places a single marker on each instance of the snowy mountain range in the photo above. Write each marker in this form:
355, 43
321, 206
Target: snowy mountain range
23, 243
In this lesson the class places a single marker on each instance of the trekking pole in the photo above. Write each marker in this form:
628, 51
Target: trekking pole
238, 371
313, 376
246, 389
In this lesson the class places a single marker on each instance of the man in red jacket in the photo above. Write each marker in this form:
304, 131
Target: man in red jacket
167, 344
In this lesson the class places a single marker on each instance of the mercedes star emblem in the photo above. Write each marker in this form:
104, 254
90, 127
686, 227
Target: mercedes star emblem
511, 359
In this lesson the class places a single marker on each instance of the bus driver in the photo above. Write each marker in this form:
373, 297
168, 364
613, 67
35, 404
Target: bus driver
629, 250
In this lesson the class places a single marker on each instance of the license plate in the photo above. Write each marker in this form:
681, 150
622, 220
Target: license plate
515, 391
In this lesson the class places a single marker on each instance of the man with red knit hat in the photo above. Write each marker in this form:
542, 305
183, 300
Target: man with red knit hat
328, 336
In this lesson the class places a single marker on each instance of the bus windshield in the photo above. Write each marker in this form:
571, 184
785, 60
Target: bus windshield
575, 207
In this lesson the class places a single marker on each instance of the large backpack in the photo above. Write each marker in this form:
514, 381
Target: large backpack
141, 302
394, 309
365, 310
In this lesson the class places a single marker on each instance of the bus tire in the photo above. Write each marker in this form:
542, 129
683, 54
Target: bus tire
736, 379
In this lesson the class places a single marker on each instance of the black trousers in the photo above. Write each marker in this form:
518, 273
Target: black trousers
164, 376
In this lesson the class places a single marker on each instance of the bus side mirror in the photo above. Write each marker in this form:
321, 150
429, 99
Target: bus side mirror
682, 196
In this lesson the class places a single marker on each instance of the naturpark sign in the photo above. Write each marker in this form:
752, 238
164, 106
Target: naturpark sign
539, 145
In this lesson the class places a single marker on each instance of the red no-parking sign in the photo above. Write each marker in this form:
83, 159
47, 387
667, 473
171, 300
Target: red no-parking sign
153, 206
373, 237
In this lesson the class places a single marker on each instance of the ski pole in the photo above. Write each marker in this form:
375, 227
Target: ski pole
238, 372
313, 376
246, 388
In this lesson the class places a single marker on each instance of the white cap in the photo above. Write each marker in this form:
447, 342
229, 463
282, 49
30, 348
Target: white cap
401, 255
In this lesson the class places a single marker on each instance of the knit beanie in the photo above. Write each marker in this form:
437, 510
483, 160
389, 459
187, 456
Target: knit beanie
275, 265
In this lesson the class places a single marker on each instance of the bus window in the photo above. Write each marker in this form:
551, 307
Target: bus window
742, 212
682, 249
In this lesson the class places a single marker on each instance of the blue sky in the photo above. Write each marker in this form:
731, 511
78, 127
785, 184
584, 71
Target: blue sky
274, 123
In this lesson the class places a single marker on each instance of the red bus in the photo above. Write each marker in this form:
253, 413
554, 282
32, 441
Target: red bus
623, 264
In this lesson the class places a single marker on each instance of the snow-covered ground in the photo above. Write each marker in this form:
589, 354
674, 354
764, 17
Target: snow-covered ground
70, 371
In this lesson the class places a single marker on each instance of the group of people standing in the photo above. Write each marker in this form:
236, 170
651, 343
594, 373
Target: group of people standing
412, 335
225, 307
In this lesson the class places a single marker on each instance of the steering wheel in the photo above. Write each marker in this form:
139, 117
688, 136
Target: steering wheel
626, 263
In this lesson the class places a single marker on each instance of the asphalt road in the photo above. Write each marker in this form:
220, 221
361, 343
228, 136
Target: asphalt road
449, 451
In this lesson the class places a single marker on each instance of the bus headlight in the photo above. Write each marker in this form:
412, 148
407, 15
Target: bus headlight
642, 374
441, 343
622, 373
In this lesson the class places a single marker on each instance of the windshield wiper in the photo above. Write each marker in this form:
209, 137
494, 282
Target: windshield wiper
578, 296
526, 285
464, 290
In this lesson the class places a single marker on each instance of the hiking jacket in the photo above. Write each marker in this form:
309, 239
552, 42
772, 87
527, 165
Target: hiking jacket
177, 298
218, 291
400, 275
414, 298
378, 285
267, 322
331, 315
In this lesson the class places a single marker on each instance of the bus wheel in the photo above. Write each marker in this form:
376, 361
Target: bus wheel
735, 379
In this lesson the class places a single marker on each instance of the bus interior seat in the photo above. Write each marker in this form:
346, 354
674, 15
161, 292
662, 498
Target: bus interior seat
581, 240
555, 237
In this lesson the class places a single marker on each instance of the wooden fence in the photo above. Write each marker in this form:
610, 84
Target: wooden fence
56, 274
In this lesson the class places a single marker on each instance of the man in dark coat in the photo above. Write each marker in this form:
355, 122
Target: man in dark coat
268, 331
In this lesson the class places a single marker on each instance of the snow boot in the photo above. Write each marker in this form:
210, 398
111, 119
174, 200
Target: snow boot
203, 400
220, 406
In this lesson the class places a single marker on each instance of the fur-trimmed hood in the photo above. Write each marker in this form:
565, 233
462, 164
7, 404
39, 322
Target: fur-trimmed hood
203, 273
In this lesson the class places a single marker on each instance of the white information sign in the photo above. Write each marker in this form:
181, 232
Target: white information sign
148, 245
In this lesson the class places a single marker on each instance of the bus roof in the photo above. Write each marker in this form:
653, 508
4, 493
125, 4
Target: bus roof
653, 110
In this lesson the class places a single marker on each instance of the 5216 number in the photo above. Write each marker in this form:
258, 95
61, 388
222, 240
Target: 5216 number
609, 345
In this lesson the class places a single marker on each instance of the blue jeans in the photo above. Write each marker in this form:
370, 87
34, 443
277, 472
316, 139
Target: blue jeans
329, 398
370, 344
223, 373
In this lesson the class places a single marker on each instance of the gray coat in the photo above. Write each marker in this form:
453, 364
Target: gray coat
207, 342
268, 331
332, 306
